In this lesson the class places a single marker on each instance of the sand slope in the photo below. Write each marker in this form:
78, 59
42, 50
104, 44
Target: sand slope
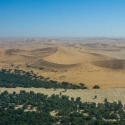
65, 55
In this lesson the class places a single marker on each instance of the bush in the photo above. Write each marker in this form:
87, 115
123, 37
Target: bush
41, 68
96, 87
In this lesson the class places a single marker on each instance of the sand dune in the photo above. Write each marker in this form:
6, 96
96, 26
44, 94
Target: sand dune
92, 62
101, 46
47, 50
65, 55
15, 51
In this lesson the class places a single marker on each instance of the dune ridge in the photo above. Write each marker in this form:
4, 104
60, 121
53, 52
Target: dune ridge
65, 55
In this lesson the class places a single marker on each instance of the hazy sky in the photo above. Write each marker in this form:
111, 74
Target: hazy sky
62, 18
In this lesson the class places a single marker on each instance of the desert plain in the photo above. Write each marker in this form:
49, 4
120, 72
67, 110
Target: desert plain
92, 61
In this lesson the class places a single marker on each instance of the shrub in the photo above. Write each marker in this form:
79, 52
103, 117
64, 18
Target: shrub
96, 87
41, 68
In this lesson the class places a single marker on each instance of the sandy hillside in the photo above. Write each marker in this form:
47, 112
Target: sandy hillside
65, 55
90, 61
14, 56
89, 68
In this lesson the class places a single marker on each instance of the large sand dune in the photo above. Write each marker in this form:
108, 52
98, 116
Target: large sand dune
65, 55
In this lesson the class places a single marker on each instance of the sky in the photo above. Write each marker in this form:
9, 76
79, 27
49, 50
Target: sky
62, 18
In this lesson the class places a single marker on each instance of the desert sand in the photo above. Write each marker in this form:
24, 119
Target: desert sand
92, 61
85, 95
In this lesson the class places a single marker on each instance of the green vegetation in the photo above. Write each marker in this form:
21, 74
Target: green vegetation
96, 87
41, 68
29, 108
20, 78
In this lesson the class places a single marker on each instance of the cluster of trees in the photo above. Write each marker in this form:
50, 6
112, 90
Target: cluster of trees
67, 111
20, 78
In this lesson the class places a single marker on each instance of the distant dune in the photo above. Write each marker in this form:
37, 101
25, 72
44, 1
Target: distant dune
12, 51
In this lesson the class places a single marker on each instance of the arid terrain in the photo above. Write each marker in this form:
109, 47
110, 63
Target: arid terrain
92, 61
86, 95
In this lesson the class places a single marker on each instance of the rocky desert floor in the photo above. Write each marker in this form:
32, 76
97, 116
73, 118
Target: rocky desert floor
92, 61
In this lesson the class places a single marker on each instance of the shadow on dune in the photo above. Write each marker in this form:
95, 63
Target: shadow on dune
44, 63
111, 64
